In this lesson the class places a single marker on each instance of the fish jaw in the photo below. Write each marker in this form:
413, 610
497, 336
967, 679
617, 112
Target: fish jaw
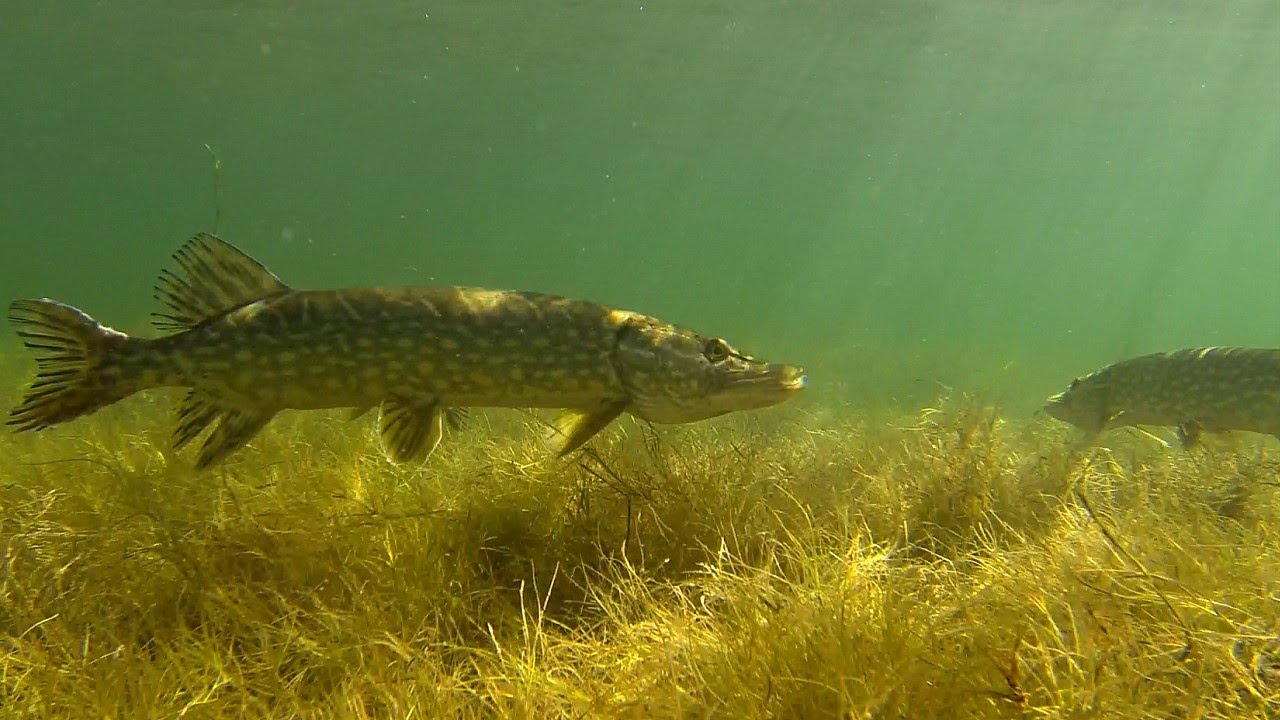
1055, 406
674, 375
1065, 407
1083, 405
754, 385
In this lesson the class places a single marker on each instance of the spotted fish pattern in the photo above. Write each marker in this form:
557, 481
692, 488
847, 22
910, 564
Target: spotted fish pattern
248, 346
1210, 389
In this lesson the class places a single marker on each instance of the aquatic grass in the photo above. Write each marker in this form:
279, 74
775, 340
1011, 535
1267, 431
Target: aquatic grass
804, 562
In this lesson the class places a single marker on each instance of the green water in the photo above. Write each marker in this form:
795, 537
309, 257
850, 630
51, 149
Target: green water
987, 195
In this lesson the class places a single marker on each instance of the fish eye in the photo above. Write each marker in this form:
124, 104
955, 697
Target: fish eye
716, 350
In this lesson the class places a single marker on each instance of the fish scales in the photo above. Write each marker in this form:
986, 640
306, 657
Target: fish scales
247, 346
465, 346
1196, 389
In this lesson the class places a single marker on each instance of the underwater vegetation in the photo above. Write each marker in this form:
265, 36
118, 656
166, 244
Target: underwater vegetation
797, 563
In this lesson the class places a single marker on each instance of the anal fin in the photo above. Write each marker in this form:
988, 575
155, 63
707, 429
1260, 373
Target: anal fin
232, 426
411, 428
572, 427
456, 417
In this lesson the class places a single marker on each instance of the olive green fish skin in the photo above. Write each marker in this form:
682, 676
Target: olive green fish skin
352, 348
248, 346
1213, 389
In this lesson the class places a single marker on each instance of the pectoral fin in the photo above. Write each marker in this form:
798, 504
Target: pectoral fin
571, 428
1189, 434
411, 428
1142, 431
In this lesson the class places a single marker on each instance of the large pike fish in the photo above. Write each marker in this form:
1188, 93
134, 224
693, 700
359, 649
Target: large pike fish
248, 346
1197, 389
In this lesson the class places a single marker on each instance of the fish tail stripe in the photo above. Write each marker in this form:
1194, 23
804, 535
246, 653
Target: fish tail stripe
72, 352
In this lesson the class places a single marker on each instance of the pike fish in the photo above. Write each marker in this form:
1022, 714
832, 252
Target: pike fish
248, 346
1210, 389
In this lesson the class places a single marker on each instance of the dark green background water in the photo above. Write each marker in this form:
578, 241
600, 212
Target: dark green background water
992, 195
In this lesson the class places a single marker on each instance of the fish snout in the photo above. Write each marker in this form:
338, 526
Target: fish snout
1055, 398
791, 377
1053, 405
760, 385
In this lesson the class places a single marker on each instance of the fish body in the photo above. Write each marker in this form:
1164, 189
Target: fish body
351, 348
1210, 389
247, 346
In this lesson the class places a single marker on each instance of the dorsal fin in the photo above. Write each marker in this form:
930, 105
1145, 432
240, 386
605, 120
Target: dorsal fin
212, 277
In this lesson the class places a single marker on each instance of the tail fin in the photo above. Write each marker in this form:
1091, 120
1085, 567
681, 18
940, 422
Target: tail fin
74, 354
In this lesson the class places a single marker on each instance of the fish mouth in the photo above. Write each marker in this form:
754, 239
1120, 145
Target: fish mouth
1052, 404
750, 388
793, 379
785, 379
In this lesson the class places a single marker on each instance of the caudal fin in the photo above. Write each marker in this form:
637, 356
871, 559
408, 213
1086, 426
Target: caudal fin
74, 354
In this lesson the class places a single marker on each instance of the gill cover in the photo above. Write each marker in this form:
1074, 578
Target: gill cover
673, 375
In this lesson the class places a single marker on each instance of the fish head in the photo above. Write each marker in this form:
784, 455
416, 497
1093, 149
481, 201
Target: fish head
1083, 404
673, 375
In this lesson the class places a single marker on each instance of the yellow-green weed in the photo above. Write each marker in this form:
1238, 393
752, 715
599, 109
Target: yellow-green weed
797, 563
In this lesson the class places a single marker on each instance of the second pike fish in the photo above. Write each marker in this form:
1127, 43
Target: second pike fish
248, 346
1208, 389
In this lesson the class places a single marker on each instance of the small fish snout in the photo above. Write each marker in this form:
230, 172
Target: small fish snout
793, 378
